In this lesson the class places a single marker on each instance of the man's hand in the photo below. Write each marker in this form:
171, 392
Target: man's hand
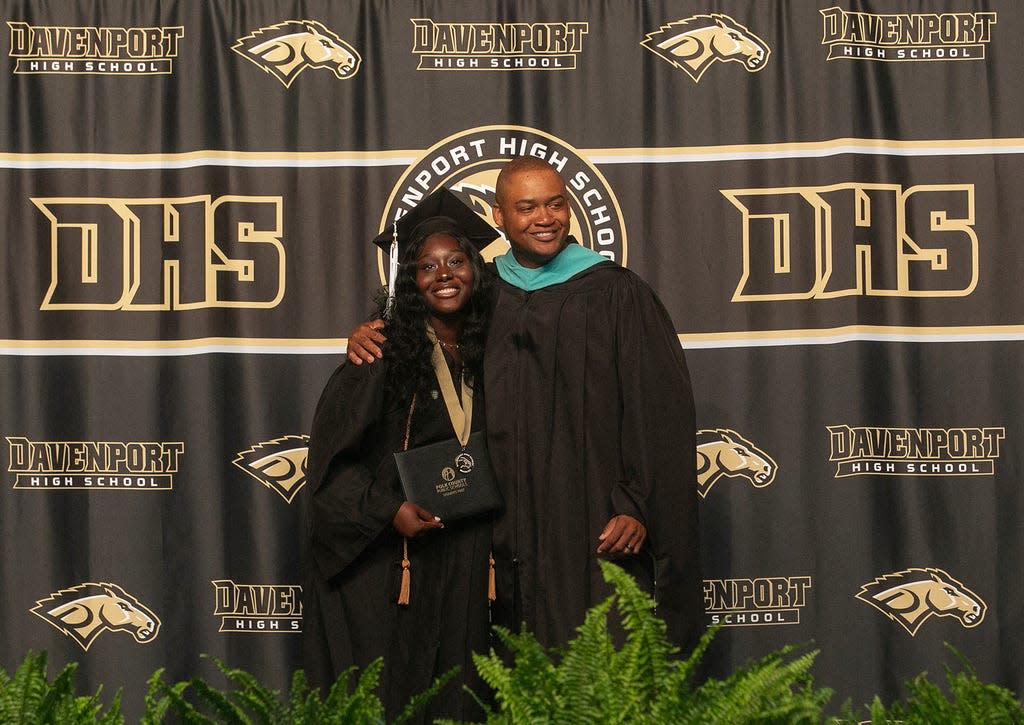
412, 520
364, 342
622, 536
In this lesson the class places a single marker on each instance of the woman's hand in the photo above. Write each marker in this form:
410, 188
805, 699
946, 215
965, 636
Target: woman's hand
412, 520
364, 342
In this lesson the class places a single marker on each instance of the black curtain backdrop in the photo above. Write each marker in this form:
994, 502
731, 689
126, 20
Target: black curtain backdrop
823, 194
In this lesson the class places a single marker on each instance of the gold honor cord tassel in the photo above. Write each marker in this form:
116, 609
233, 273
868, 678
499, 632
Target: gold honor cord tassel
492, 587
403, 591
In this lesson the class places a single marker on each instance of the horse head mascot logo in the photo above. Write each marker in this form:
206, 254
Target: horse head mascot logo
86, 611
723, 452
280, 464
695, 43
911, 596
288, 48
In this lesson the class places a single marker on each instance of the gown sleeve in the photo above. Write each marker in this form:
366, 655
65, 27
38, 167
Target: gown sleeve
658, 439
352, 499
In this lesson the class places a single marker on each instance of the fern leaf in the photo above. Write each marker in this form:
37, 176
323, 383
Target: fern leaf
261, 703
362, 705
221, 705
156, 704
25, 691
418, 702
59, 691
970, 700
28, 698
587, 671
527, 691
647, 655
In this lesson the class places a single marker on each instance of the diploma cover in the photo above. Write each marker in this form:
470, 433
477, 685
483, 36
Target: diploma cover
451, 479
448, 479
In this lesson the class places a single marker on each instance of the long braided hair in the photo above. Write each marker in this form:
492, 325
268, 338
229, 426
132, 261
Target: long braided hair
407, 347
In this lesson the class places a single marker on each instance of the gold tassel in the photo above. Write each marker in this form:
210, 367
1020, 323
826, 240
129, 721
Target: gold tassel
492, 587
403, 592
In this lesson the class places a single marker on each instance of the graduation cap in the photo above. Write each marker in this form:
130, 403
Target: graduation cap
439, 211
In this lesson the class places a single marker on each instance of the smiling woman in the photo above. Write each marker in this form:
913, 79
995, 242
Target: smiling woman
444, 278
384, 571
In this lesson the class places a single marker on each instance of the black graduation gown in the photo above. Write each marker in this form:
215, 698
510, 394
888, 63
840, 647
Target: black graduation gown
353, 565
590, 415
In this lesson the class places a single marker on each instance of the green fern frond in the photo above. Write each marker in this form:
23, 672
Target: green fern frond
28, 698
304, 704
646, 658
528, 690
636, 609
23, 693
969, 701
57, 695
586, 674
767, 691
490, 667
419, 701
113, 715
644, 682
224, 710
877, 712
162, 699
262, 704
155, 703
362, 705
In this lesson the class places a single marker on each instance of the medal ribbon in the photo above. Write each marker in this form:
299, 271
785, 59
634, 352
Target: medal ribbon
461, 414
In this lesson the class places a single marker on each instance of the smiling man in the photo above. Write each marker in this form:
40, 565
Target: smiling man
590, 425
532, 209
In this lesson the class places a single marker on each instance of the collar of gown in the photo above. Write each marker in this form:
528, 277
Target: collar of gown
570, 261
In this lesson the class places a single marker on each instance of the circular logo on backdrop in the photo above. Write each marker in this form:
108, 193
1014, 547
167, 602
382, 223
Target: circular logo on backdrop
468, 163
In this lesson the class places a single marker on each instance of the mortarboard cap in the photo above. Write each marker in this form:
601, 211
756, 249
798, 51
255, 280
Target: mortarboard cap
439, 203
439, 211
